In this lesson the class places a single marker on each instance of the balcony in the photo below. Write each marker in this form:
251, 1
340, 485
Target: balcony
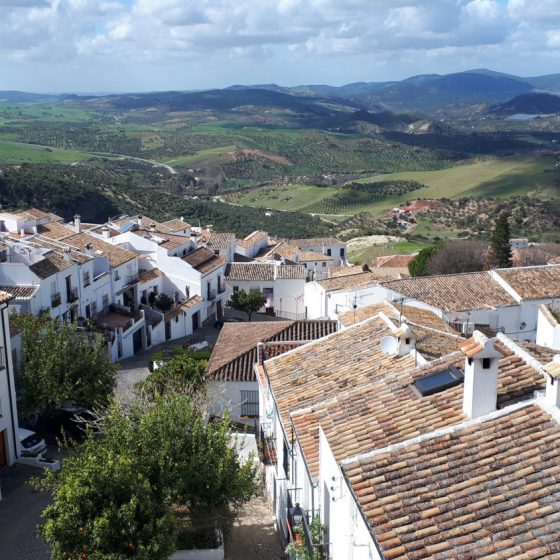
267, 448
211, 295
132, 279
56, 300
221, 288
303, 536
72, 295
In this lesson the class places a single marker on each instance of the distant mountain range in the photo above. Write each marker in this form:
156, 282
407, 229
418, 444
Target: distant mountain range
425, 93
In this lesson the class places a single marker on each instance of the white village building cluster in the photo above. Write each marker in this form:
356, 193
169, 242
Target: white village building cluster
415, 417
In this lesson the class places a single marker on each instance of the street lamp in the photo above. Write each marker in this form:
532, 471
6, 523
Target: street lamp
297, 515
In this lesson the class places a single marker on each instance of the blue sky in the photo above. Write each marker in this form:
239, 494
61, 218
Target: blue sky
142, 45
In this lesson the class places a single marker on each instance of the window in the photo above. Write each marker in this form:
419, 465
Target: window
105, 300
86, 277
235, 289
486, 363
329, 252
2, 361
324, 264
3, 256
250, 404
93, 308
184, 252
439, 381
117, 276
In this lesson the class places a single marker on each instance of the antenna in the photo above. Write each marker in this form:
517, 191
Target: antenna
389, 345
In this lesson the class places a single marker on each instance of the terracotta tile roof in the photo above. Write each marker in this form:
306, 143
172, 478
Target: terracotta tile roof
19, 292
5, 297
344, 360
336, 271
489, 491
50, 264
54, 230
411, 315
203, 260
291, 272
385, 409
252, 238
471, 347
263, 272
538, 282
238, 257
454, 292
218, 240
539, 353
392, 261
115, 255
307, 432
553, 368
182, 307
168, 240
151, 274
356, 281
176, 225
316, 241
235, 351
60, 247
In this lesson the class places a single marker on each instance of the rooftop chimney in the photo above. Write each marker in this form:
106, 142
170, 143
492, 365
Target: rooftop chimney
66, 254
140, 220
552, 395
152, 227
89, 250
78, 223
106, 233
407, 339
480, 391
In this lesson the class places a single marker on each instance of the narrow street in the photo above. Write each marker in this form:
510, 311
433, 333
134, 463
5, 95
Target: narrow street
253, 535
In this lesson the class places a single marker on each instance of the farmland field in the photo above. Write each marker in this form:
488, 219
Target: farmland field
16, 152
495, 177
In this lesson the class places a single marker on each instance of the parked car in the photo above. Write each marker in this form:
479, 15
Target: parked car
220, 322
64, 422
31, 443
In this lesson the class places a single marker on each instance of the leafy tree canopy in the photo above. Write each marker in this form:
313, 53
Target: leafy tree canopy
62, 365
113, 497
248, 302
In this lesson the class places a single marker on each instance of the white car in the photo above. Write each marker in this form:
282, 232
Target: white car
31, 443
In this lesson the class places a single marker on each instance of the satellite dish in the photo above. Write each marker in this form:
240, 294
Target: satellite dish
389, 345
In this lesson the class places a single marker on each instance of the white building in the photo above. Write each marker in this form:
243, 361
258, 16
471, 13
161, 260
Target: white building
9, 442
329, 297
548, 327
501, 300
231, 375
281, 285
253, 244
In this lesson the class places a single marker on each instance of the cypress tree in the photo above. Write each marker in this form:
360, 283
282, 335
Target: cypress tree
500, 242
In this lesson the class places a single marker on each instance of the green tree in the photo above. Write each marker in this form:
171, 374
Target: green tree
62, 365
419, 264
163, 302
114, 497
249, 302
500, 248
183, 372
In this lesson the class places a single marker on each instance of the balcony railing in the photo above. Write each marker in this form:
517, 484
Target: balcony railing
72, 295
302, 532
211, 295
221, 288
132, 279
56, 300
267, 447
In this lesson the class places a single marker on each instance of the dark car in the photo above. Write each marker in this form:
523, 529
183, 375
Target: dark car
69, 422
220, 322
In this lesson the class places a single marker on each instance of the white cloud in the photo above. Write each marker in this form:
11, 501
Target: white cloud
399, 35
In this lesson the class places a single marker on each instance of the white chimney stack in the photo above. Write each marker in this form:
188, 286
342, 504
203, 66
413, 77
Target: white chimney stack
89, 250
106, 233
406, 338
480, 392
140, 221
78, 223
552, 395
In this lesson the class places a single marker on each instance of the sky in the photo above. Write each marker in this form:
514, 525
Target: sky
154, 45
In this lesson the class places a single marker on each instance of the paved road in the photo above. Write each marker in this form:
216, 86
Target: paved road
20, 513
253, 536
